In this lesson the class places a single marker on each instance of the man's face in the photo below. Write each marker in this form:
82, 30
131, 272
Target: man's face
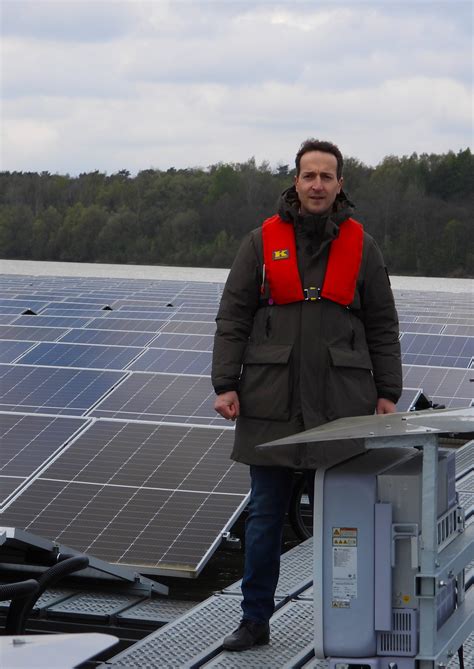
317, 184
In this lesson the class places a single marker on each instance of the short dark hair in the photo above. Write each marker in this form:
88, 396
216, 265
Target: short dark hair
320, 145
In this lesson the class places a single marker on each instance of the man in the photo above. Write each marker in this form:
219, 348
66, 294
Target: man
307, 332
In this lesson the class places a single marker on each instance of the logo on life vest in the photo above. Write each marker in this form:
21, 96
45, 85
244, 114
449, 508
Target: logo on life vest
282, 254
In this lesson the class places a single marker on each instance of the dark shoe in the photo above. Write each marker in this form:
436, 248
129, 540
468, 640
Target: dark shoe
247, 635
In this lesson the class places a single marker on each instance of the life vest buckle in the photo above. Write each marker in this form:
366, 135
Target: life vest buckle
312, 294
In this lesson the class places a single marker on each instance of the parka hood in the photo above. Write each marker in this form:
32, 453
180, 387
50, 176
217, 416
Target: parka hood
289, 209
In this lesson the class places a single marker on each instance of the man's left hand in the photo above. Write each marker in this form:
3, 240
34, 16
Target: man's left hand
385, 406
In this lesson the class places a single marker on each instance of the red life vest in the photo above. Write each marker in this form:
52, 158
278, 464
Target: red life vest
281, 264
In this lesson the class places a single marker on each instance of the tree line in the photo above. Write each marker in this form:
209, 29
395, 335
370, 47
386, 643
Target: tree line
419, 208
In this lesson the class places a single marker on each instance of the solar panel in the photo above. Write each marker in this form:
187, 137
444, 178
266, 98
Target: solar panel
455, 320
52, 321
188, 342
67, 305
28, 442
108, 337
6, 319
189, 327
96, 495
12, 311
142, 302
85, 313
139, 315
408, 399
174, 362
427, 328
196, 318
444, 385
30, 333
437, 350
467, 330
23, 304
81, 355
138, 494
112, 323
161, 397
52, 390
11, 350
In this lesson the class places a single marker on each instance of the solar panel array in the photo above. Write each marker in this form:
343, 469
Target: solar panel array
110, 443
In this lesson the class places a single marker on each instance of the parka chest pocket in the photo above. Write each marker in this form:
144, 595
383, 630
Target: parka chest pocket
265, 384
350, 388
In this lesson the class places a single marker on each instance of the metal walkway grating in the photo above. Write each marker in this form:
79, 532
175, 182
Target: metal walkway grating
465, 458
99, 606
291, 634
48, 598
189, 637
157, 610
296, 572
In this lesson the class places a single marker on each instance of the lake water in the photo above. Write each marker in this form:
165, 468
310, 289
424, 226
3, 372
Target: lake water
214, 275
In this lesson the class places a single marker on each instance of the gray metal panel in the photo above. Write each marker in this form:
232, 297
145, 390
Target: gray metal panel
292, 631
99, 606
316, 664
157, 610
466, 483
53, 596
296, 572
466, 499
392, 425
307, 594
192, 635
465, 459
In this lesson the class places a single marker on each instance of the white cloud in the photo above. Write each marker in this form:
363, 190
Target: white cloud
136, 84
67, 20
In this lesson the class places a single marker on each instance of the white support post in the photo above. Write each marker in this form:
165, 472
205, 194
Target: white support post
429, 548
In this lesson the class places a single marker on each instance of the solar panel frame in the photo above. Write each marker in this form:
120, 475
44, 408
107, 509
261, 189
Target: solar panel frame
466, 330
189, 327
6, 319
108, 337
188, 342
423, 328
112, 323
54, 390
408, 399
83, 356
53, 321
84, 313
435, 381
437, 350
33, 334
130, 314
33, 304
11, 350
29, 443
173, 362
161, 397
127, 516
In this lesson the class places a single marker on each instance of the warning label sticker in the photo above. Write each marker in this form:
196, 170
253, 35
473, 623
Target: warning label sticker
344, 566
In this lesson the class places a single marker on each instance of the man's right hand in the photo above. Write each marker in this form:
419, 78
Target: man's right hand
227, 404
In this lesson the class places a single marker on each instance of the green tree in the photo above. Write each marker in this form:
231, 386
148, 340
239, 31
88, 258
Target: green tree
16, 225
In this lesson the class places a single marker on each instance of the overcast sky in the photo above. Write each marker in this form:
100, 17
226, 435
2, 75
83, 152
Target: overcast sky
136, 84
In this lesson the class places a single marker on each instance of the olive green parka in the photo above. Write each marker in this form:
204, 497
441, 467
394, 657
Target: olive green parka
299, 365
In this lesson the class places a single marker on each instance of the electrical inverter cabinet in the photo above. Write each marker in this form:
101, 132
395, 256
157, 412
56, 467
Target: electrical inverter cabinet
391, 544
367, 545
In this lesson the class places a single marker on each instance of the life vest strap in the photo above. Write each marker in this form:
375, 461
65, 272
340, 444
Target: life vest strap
281, 264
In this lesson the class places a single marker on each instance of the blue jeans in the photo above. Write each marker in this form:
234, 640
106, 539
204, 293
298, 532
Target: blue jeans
269, 499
